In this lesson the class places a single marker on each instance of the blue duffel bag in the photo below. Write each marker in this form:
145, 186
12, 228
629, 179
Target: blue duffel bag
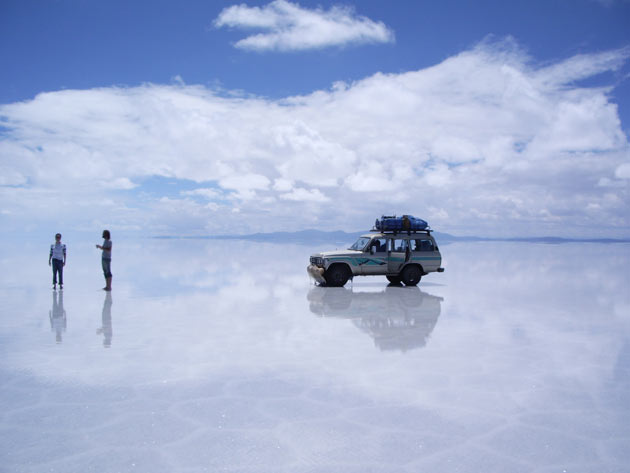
400, 224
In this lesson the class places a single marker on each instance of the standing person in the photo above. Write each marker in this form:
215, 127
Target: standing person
106, 259
57, 259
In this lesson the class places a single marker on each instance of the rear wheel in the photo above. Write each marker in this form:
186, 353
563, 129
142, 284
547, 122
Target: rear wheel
411, 275
393, 279
337, 275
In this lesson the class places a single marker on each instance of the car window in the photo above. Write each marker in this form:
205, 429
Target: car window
379, 245
399, 245
360, 243
422, 245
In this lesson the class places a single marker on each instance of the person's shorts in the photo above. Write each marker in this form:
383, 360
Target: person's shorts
107, 268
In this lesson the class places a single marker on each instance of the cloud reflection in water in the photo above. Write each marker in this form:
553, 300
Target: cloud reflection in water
224, 357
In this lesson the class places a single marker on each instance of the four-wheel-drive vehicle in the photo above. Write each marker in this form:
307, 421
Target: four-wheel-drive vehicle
403, 256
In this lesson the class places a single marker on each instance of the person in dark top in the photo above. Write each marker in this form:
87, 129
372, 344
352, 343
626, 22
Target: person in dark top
106, 259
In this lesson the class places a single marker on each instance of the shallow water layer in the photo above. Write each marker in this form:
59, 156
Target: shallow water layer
217, 355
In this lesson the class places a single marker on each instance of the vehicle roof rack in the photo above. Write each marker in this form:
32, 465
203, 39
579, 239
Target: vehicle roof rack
401, 232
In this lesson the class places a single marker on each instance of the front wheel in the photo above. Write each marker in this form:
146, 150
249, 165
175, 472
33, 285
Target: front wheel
336, 276
411, 275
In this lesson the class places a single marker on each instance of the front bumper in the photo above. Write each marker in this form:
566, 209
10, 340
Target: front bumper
316, 272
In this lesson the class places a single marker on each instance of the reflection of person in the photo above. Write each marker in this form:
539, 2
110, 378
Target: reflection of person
106, 259
57, 259
106, 316
57, 316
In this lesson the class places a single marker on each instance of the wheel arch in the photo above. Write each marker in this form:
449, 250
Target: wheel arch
418, 265
346, 266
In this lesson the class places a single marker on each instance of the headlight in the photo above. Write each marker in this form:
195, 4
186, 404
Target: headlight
317, 261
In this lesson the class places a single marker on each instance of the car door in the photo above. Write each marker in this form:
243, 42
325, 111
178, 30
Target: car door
396, 254
375, 261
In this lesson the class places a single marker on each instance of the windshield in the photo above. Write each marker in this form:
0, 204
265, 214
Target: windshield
360, 244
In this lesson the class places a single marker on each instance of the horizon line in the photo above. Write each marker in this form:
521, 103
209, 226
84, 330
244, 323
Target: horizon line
441, 235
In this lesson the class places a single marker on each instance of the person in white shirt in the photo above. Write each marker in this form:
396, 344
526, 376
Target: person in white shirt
57, 259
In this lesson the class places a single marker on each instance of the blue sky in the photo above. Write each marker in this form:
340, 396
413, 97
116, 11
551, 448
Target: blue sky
488, 117
81, 44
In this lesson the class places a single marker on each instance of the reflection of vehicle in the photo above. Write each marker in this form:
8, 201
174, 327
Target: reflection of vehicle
401, 257
398, 318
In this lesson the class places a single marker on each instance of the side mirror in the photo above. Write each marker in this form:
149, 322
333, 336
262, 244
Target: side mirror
373, 250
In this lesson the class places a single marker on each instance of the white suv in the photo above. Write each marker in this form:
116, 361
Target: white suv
401, 257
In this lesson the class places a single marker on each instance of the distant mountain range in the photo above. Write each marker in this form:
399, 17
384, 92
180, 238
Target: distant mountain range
315, 236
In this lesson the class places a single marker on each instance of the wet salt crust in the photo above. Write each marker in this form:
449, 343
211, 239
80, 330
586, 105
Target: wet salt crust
224, 357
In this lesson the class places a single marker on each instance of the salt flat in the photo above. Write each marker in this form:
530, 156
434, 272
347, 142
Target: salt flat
214, 355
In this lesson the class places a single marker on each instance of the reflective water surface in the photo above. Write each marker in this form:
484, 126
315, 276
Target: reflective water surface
223, 356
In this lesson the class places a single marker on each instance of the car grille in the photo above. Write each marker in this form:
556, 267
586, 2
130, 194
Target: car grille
317, 261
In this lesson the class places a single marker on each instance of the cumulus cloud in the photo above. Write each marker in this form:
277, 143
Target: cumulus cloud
623, 171
245, 183
304, 195
119, 183
207, 193
288, 26
484, 142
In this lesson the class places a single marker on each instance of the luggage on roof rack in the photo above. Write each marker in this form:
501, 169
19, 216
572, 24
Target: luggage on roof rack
406, 223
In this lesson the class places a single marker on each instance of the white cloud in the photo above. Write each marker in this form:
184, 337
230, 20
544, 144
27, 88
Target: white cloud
582, 66
10, 177
373, 176
245, 185
282, 185
305, 195
288, 26
483, 142
206, 193
309, 157
119, 183
623, 171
